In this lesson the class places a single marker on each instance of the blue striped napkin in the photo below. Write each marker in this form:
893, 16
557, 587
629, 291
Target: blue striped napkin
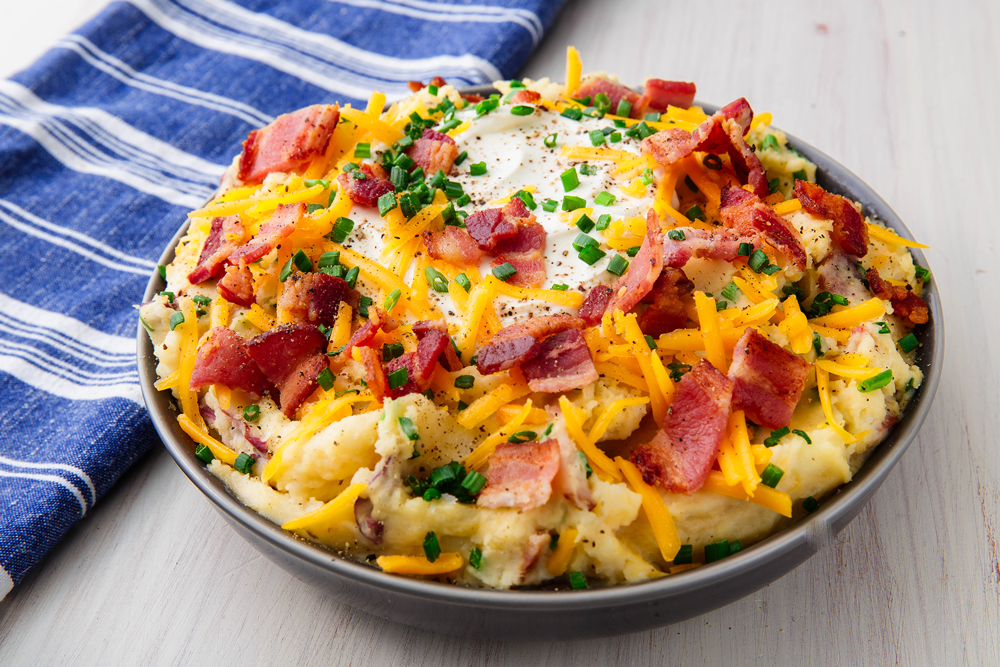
107, 140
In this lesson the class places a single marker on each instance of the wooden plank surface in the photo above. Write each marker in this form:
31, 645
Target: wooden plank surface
903, 93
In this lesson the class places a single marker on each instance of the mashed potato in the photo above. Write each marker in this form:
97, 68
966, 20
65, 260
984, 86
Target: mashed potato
396, 480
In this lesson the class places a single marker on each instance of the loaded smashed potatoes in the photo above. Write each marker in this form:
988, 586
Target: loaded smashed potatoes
566, 334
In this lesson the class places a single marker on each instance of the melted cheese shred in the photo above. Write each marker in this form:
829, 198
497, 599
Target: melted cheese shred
594, 454
664, 530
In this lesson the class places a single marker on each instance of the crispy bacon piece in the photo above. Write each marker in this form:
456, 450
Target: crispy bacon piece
290, 141
722, 133
237, 286
315, 298
517, 344
530, 270
768, 380
659, 94
223, 360
744, 213
377, 320
524, 250
374, 374
291, 356
279, 225
643, 271
721, 244
595, 304
666, 312
849, 230
488, 226
453, 245
520, 475
431, 344
563, 363
680, 457
434, 151
448, 359
594, 85
225, 236
367, 190
526, 97
908, 306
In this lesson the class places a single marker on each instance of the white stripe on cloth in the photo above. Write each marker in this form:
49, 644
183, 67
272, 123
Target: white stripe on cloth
31, 373
6, 583
81, 244
445, 13
67, 330
114, 67
92, 141
65, 369
312, 57
73, 470
52, 478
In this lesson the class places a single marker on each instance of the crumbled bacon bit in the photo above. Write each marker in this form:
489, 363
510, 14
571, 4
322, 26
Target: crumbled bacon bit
594, 85
909, 307
768, 380
563, 363
453, 245
666, 312
643, 271
225, 236
315, 298
237, 286
520, 475
434, 151
526, 97
595, 304
367, 190
223, 360
659, 94
291, 356
744, 213
849, 230
289, 142
278, 226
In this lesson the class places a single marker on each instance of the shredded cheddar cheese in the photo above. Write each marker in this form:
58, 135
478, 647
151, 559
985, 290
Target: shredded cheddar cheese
594, 454
340, 510
419, 565
656, 511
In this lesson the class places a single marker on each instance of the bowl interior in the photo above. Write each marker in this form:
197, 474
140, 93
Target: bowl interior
727, 580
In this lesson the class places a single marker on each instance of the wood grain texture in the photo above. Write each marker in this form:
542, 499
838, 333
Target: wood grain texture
903, 93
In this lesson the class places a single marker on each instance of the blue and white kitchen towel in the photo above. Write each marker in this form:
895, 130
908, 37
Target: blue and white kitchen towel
107, 140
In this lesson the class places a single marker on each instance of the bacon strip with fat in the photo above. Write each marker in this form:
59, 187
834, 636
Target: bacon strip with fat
520, 475
223, 360
291, 356
768, 380
563, 363
225, 235
290, 141
366, 184
849, 230
744, 213
911, 308
514, 345
434, 151
281, 224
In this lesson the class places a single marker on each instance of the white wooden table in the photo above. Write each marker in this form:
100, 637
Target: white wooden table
904, 93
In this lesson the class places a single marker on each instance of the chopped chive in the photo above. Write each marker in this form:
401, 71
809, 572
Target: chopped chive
652, 116
597, 138
392, 300
386, 202
335, 271
465, 381
676, 234
592, 254
735, 547
328, 259
578, 581
204, 453
573, 113
908, 343
877, 382
398, 378
800, 175
794, 290
810, 504
716, 551
818, 343
690, 184
391, 351
476, 558
404, 162
684, 555
477, 168
341, 229
618, 265
560, 287
522, 110
776, 436
363, 149
463, 200
770, 143
436, 279
438, 179
352, 276
585, 101
473, 482
615, 137
770, 269
461, 157
449, 125
647, 176
695, 213
505, 271
169, 295
624, 108
312, 208
603, 221
883, 327
922, 273
584, 223
588, 169
771, 475
570, 179
431, 547
604, 198
514, 83
526, 197
633, 251
145, 323
464, 281
550, 141
758, 260
432, 493
462, 405
554, 540
721, 305
582, 241
583, 457
803, 435
548, 430
550, 205
302, 261
251, 413
325, 379
731, 291
522, 437
243, 463
433, 90
571, 203
408, 429
286, 270
650, 341
602, 102
416, 176
162, 270
176, 320
838, 299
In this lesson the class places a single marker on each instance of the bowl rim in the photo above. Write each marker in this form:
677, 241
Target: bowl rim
812, 531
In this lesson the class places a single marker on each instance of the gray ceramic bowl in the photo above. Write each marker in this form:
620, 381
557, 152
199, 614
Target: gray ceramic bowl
562, 615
